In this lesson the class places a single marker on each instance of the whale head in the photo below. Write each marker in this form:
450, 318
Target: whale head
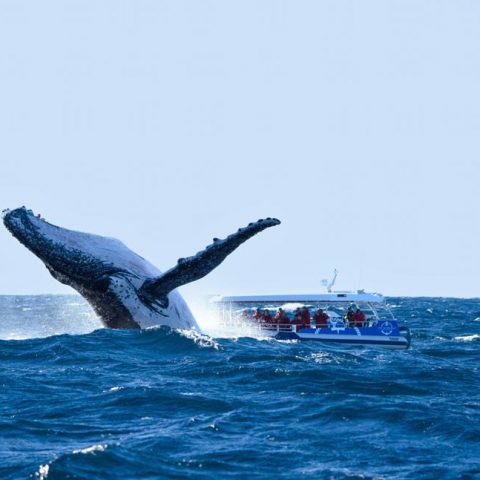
75, 256
124, 289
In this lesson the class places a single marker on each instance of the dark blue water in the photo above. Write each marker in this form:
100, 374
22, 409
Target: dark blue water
161, 404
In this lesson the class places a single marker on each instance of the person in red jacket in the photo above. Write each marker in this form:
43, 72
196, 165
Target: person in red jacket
281, 319
279, 316
358, 318
321, 318
349, 317
298, 320
267, 317
306, 317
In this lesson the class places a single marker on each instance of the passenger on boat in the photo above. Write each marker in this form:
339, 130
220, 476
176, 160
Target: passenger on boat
258, 314
349, 317
281, 318
267, 317
358, 318
297, 319
301, 320
321, 318
279, 315
306, 317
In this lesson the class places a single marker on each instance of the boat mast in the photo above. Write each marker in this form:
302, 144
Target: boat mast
329, 285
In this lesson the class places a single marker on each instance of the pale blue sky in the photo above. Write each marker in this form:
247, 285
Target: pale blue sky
166, 123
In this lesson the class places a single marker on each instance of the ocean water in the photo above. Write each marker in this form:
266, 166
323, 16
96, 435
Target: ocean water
81, 402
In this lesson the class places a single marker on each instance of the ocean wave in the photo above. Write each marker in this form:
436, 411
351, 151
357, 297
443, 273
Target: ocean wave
161, 403
203, 341
92, 449
468, 338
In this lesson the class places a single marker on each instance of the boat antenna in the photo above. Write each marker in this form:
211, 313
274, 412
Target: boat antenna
328, 285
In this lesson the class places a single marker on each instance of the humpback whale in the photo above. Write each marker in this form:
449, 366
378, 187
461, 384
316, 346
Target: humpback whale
124, 289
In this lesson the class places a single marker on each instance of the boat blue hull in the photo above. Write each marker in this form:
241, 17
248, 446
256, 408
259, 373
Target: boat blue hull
384, 334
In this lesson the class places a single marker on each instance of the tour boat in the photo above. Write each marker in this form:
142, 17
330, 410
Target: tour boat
378, 328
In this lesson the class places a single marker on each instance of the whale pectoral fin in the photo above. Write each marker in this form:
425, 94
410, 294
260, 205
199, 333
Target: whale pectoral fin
192, 268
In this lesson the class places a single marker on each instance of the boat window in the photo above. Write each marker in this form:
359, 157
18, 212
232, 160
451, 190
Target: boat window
237, 312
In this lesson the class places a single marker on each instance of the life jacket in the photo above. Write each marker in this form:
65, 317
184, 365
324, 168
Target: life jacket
358, 318
299, 320
306, 317
267, 318
321, 319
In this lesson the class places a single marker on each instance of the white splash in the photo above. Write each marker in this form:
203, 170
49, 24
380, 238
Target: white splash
321, 357
42, 473
200, 339
291, 307
116, 389
468, 338
211, 324
92, 449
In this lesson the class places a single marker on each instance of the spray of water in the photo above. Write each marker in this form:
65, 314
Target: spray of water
40, 316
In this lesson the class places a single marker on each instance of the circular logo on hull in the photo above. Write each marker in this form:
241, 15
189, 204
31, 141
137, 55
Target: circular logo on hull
386, 328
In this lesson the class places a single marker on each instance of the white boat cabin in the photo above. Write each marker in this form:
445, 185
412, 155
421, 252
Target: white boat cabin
234, 310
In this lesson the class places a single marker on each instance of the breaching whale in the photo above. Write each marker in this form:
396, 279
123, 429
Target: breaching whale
124, 289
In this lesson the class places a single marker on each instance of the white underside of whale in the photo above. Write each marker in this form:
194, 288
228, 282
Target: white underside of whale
176, 315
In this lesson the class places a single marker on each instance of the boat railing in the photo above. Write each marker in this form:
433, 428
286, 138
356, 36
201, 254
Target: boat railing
282, 327
231, 312
278, 327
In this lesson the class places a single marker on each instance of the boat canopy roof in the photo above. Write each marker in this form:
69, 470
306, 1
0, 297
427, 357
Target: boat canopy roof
334, 297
